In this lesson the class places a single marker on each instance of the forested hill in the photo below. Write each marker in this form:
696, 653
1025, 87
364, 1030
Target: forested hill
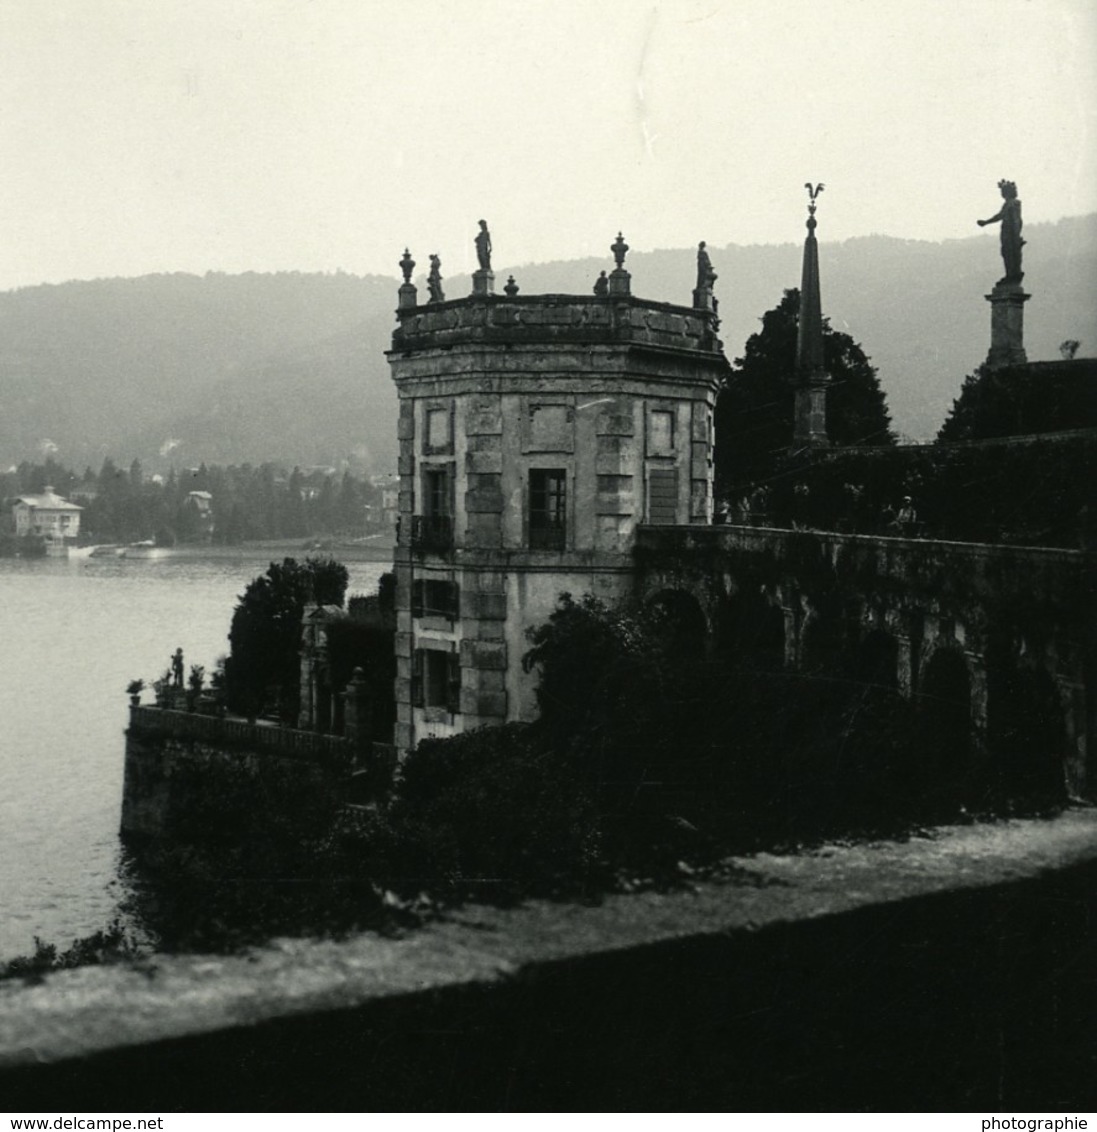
220, 368
290, 367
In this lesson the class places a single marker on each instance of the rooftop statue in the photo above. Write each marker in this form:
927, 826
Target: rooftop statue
1009, 215
483, 246
434, 281
705, 275
601, 284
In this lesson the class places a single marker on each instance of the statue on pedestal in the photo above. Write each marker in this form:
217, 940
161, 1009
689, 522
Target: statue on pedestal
483, 246
705, 275
601, 284
434, 281
1009, 215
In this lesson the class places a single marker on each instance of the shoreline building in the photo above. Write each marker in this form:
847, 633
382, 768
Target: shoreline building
49, 515
536, 433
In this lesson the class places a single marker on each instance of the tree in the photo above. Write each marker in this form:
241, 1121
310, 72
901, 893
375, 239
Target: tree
1022, 401
262, 668
754, 413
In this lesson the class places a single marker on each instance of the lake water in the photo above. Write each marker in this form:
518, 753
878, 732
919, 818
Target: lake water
73, 633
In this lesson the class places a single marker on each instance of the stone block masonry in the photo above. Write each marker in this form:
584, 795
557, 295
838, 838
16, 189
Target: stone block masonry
532, 431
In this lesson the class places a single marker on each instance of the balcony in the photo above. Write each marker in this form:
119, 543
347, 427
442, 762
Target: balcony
548, 536
432, 533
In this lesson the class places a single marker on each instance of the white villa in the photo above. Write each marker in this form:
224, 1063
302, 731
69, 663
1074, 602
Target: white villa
48, 515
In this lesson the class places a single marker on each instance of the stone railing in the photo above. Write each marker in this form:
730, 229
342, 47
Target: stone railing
555, 318
236, 732
1060, 579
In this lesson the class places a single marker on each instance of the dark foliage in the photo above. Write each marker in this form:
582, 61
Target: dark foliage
1034, 493
368, 645
754, 413
1023, 400
262, 671
649, 760
113, 944
493, 813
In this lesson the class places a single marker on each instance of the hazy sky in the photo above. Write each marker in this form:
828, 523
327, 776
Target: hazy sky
235, 135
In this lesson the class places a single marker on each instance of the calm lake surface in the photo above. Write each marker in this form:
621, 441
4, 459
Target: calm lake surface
73, 633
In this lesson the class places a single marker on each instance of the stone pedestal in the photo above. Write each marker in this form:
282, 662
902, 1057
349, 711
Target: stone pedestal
619, 282
703, 299
407, 296
1007, 325
483, 282
358, 712
810, 414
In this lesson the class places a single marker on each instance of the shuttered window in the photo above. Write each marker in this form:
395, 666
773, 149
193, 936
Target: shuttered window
663, 496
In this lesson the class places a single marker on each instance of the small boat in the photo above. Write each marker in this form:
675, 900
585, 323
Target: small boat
144, 549
106, 551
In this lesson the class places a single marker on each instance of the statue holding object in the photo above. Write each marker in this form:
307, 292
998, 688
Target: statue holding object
1009, 216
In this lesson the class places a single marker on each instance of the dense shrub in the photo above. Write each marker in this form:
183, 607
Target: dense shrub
493, 812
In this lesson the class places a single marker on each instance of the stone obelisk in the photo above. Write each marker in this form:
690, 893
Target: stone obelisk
810, 410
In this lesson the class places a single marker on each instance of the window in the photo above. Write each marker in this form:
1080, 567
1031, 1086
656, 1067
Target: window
433, 597
547, 509
436, 680
436, 491
663, 496
433, 529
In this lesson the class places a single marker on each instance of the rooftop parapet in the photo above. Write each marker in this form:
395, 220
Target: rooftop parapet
598, 319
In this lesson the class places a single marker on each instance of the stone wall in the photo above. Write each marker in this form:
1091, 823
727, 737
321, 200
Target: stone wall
608, 400
1006, 613
950, 974
183, 786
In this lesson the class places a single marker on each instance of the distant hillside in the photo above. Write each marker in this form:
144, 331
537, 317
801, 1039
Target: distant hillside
290, 367
218, 368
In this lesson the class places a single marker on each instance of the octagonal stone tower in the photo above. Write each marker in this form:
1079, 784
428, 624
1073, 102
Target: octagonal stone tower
535, 434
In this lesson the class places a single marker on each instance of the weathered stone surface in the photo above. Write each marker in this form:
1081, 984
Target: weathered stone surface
483, 654
485, 493
491, 607
480, 463
484, 529
489, 631
613, 422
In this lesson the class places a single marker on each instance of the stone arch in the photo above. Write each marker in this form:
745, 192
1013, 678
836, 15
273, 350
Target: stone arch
1027, 733
827, 631
749, 628
875, 659
944, 739
683, 620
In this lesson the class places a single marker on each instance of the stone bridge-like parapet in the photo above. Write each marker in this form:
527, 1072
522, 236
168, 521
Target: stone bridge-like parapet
1018, 625
1032, 583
